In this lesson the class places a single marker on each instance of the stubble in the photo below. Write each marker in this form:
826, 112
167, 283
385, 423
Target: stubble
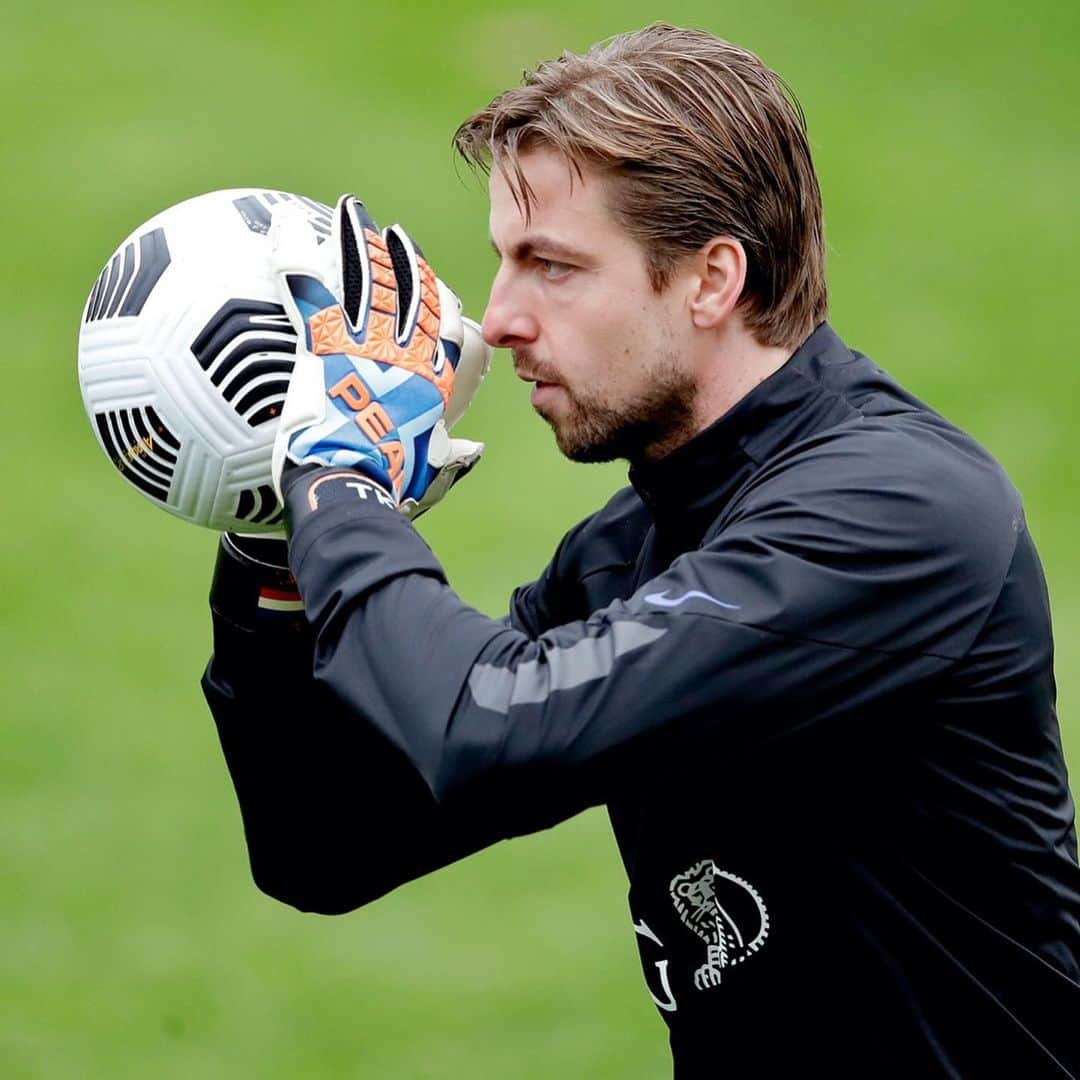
592, 428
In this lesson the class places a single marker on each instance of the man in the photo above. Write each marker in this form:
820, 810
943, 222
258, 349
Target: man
804, 659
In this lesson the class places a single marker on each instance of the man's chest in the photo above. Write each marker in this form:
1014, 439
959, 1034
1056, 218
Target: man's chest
731, 887
657, 550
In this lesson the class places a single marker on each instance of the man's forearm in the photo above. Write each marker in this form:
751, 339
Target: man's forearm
334, 816
398, 648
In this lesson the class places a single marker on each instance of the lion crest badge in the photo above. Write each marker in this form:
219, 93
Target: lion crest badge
725, 911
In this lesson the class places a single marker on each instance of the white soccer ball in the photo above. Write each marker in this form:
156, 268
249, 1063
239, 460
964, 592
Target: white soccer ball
185, 355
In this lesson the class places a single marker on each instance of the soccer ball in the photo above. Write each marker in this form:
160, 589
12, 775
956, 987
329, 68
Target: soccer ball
185, 355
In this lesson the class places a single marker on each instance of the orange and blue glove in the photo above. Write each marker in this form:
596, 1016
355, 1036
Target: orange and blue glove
385, 361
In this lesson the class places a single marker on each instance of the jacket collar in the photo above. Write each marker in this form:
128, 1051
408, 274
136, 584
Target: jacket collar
699, 477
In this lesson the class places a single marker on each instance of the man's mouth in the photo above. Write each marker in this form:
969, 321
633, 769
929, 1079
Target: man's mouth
543, 392
527, 376
545, 387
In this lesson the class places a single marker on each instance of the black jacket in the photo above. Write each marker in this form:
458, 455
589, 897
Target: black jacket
805, 660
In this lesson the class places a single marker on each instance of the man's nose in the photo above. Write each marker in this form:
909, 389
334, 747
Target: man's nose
506, 321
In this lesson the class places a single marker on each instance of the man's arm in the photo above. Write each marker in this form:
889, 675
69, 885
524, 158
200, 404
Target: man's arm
334, 815
606, 541
829, 593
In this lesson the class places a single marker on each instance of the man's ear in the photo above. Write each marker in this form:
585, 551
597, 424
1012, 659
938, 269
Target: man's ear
721, 265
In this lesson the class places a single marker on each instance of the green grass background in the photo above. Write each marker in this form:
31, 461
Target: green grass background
132, 941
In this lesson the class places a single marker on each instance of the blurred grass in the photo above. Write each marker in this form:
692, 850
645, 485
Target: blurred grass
131, 939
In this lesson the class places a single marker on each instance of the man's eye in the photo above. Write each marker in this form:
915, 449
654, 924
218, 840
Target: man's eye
552, 269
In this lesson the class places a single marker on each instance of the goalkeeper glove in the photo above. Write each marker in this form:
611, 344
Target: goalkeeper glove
382, 341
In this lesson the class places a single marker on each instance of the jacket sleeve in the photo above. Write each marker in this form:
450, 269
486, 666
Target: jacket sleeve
334, 815
819, 598
546, 602
608, 540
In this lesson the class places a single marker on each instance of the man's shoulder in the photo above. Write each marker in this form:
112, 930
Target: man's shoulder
891, 456
901, 482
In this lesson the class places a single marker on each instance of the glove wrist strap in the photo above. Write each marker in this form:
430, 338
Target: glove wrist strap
313, 490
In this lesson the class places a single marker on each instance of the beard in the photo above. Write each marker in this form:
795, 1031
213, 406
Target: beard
591, 429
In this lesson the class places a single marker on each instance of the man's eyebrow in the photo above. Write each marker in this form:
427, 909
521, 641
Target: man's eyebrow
548, 246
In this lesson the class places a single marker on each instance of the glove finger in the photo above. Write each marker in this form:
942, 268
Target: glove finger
293, 243
444, 451
473, 364
305, 407
462, 456
451, 331
408, 280
298, 264
351, 224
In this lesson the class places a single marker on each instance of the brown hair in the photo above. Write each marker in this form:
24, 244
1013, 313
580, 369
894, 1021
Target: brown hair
699, 139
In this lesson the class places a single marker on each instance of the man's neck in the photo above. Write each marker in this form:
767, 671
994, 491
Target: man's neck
735, 366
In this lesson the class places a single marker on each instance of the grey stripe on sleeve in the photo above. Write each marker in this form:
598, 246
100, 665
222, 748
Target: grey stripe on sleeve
498, 688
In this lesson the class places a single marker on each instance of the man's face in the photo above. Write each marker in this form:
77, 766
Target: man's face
573, 301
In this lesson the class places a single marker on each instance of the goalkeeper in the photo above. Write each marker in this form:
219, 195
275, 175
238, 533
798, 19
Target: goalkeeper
804, 658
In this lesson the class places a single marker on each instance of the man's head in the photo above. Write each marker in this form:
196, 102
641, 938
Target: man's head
671, 172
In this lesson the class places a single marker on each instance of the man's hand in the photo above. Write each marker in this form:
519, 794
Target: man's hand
381, 338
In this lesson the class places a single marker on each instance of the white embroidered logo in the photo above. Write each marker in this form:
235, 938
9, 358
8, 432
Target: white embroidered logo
725, 911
